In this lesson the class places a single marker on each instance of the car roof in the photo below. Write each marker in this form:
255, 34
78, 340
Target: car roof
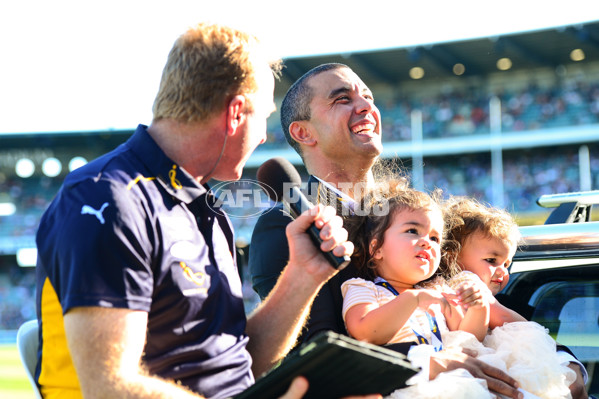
568, 237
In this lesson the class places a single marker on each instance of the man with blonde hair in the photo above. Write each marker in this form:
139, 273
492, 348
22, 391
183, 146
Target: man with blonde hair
138, 291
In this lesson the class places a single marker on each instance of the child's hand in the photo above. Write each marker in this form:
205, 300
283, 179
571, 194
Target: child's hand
427, 297
470, 295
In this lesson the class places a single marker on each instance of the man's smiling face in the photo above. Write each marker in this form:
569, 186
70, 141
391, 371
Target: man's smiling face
344, 120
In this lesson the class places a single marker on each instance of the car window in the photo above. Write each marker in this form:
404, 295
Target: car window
570, 310
578, 327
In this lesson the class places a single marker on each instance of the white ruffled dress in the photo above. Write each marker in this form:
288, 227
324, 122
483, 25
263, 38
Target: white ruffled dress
524, 350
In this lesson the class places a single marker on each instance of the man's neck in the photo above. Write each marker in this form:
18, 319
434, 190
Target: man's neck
350, 182
179, 141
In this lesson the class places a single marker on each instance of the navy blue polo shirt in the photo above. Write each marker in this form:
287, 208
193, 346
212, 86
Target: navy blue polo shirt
133, 230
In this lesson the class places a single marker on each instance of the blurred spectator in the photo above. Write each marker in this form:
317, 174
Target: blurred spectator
17, 297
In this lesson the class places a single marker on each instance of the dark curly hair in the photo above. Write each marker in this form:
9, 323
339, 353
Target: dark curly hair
374, 214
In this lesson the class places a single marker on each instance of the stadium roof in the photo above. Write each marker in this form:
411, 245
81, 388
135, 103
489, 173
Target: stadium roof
90, 112
479, 56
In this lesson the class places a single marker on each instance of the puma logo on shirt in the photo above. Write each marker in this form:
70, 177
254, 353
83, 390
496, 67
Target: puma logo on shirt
88, 210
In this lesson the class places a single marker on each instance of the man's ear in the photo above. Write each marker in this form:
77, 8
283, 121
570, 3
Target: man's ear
300, 133
236, 113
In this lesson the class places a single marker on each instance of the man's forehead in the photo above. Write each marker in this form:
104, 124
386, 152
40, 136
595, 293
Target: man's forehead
335, 79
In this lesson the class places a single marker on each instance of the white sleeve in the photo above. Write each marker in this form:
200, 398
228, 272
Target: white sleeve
356, 291
566, 358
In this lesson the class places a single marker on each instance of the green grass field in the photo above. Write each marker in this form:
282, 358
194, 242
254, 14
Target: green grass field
13, 380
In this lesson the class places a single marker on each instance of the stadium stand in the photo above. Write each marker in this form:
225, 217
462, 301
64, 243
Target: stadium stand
572, 102
549, 114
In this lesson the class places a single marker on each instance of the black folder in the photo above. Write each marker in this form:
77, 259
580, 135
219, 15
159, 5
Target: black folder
335, 366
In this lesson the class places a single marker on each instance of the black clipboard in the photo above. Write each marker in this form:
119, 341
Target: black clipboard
335, 366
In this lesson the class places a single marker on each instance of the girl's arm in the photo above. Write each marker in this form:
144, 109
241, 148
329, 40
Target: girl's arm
500, 314
477, 311
476, 321
379, 324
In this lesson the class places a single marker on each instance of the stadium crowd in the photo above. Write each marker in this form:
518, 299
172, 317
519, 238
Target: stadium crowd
17, 297
467, 112
527, 174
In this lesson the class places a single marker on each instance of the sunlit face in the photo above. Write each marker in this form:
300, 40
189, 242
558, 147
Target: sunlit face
411, 249
489, 258
344, 120
252, 131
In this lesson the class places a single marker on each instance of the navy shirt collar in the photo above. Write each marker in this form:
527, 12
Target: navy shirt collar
175, 180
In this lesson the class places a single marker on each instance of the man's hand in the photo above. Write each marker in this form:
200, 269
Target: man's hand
299, 387
274, 326
302, 251
577, 388
497, 380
